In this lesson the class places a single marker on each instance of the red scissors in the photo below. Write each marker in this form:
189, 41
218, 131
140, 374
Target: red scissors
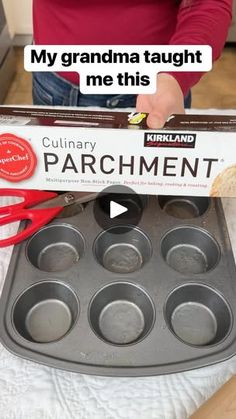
39, 207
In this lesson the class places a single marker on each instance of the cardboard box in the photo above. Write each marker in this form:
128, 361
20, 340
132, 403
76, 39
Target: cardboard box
89, 150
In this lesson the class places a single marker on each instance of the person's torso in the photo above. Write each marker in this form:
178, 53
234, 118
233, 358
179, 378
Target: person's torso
101, 22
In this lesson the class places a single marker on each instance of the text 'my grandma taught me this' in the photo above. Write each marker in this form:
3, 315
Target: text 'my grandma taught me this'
109, 69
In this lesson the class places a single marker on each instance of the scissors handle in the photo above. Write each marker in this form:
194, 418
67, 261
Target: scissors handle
30, 198
37, 217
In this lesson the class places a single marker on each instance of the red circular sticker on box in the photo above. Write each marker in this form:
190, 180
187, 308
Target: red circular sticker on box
17, 159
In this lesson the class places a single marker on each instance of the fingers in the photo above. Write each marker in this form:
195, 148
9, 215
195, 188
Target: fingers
167, 100
157, 116
156, 120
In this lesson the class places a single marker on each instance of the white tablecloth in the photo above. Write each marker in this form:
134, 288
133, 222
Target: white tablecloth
32, 391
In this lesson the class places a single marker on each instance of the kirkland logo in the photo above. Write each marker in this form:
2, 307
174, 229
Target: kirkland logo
153, 139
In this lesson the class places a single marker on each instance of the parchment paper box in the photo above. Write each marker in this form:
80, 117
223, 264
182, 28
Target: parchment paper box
89, 150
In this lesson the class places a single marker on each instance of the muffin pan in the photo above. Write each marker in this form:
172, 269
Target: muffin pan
141, 300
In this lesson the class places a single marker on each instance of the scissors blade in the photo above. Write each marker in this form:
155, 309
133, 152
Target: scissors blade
68, 198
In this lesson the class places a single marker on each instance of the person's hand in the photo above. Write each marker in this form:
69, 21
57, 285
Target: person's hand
167, 100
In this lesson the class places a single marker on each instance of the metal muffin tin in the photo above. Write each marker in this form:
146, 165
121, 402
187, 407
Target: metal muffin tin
153, 299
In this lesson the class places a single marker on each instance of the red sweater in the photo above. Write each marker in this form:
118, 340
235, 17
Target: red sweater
154, 22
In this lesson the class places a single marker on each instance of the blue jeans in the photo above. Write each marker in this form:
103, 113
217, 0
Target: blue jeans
49, 89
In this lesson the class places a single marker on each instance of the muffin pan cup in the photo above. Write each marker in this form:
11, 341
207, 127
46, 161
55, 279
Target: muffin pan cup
155, 299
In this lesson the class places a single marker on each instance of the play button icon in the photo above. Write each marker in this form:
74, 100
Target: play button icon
116, 209
119, 205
